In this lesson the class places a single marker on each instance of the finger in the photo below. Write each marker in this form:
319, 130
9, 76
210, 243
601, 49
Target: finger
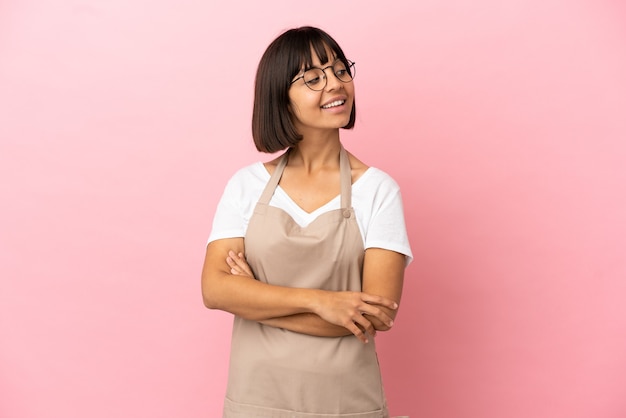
231, 263
244, 267
377, 313
371, 330
363, 324
377, 323
235, 270
234, 256
379, 300
358, 333
238, 259
240, 263
365, 332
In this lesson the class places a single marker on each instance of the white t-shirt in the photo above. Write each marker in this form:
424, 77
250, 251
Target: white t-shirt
376, 201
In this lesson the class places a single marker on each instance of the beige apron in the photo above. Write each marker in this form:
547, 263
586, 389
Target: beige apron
283, 374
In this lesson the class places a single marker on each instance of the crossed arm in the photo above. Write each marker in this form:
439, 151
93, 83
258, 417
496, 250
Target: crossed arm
228, 284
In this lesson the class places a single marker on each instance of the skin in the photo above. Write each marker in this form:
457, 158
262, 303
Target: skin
311, 178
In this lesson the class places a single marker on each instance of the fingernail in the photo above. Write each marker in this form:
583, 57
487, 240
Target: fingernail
395, 305
390, 323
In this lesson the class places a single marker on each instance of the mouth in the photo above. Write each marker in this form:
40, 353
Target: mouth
333, 104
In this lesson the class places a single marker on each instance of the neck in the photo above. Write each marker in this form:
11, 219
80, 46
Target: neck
317, 151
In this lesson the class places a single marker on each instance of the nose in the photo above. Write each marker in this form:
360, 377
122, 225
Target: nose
332, 82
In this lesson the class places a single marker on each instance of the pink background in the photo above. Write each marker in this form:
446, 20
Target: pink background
504, 122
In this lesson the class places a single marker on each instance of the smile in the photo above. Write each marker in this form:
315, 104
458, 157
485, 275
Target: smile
333, 104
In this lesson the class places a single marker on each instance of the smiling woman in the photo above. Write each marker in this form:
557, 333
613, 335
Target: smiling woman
308, 251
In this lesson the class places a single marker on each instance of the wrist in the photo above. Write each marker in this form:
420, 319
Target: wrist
313, 300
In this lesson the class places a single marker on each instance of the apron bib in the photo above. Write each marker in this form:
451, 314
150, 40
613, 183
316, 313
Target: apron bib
283, 374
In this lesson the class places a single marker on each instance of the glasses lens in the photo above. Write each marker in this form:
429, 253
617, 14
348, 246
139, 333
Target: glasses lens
315, 78
342, 72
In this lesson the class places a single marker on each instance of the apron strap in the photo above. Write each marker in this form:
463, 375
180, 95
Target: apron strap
268, 192
346, 179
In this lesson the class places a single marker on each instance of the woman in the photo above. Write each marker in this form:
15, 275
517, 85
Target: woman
307, 251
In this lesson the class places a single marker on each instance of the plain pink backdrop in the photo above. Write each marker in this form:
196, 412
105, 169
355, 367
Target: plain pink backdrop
504, 123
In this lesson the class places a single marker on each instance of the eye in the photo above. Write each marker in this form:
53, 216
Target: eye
313, 77
313, 81
341, 71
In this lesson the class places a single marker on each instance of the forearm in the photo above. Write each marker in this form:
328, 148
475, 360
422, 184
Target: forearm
257, 301
309, 324
242, 294
383, 274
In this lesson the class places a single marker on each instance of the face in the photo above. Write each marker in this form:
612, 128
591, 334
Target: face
327, 109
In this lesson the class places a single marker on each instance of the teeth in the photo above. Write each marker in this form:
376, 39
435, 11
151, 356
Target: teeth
333, 104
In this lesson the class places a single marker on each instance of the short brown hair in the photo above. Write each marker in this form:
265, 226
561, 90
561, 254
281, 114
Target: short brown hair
272, 127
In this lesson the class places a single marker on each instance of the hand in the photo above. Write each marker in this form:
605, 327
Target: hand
238, 265
348, 309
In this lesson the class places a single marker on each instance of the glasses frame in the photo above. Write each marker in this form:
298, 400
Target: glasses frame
350, 68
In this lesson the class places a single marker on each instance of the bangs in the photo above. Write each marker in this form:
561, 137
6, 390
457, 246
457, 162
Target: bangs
309, 43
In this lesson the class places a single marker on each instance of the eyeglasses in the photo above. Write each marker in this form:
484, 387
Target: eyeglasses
315, 78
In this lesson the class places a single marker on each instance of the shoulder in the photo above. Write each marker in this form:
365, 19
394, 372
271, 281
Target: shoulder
376, 179
357, 167
252, 172
246, 181
371, 175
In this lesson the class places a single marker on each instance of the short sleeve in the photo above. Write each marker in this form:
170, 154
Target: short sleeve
228, 221
237, 203
386, 227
